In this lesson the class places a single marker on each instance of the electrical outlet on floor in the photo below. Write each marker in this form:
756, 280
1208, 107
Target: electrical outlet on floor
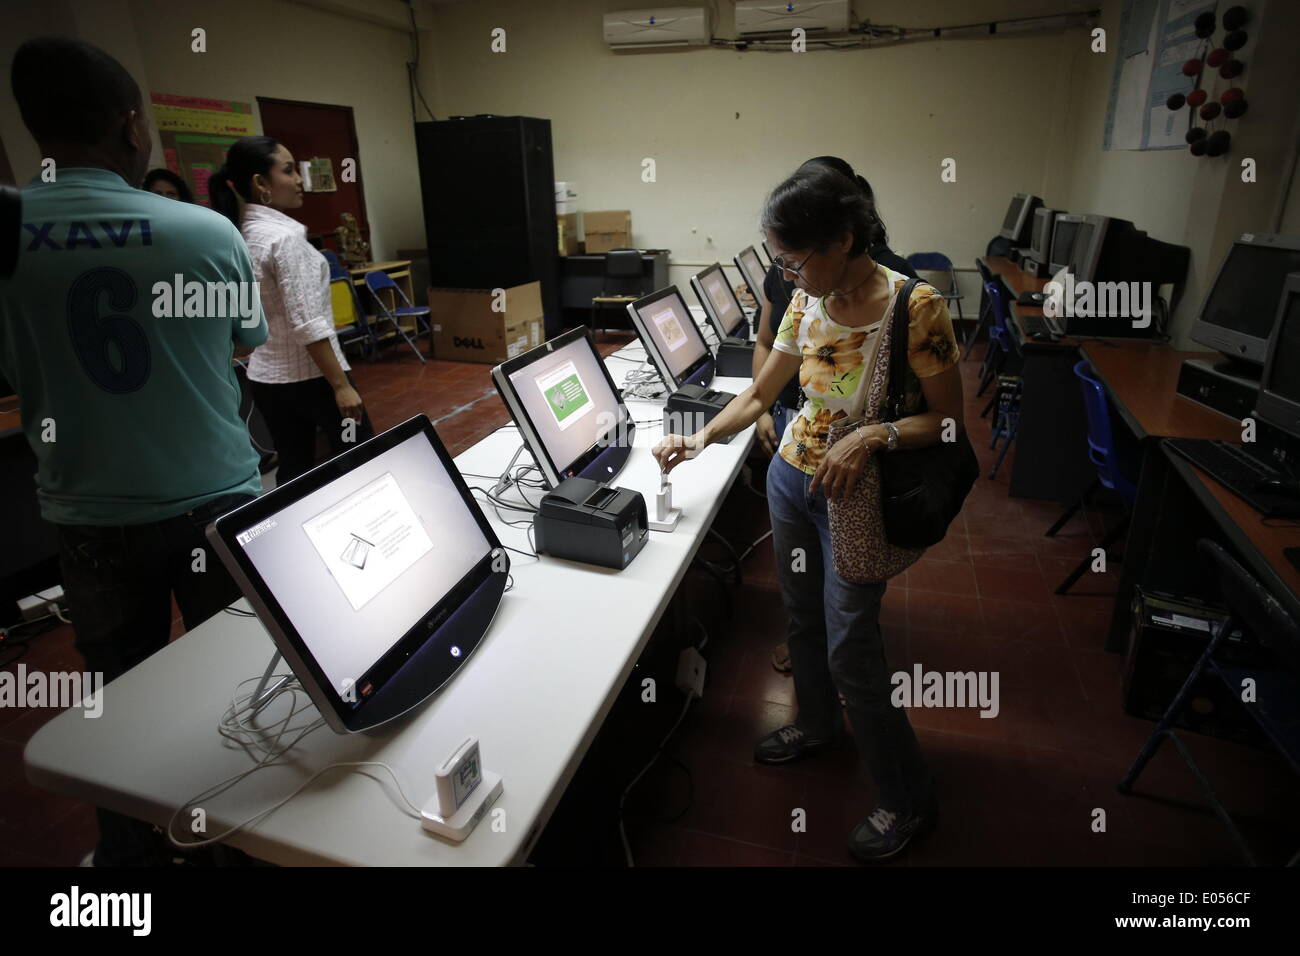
36, 606
690, 672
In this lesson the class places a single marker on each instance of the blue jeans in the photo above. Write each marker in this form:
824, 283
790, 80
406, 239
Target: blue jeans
836, 646
119, 582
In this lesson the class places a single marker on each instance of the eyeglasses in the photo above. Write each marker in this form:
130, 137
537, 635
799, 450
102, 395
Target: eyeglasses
779, 262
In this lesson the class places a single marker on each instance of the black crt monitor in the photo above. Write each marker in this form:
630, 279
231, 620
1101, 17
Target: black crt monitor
1040, 233
1018, 218
720, 303
1278, 402
672, 339
568, 410
1239, 311
1064, 230
752, 271
376, 574
767, 252
1107, 249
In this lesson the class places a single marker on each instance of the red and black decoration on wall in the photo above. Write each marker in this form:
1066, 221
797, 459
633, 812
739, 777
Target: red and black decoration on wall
1210, 105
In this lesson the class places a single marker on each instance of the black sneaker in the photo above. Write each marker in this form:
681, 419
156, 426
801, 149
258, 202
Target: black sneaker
790, 743
883, 834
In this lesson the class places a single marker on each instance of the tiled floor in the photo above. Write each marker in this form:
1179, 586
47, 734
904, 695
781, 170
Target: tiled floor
1024, 788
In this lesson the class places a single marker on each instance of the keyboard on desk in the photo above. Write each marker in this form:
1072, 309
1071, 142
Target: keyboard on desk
1239, 472
1038, 325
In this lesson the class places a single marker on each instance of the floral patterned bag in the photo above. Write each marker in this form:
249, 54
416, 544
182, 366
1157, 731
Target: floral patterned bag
860, 551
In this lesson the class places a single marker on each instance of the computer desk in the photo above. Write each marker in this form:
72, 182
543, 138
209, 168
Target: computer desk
1159, 554
1051, 448
535, 693
1177, 505
1141, 374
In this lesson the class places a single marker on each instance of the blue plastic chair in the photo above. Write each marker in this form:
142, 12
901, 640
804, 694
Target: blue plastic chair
1112, 473
1006, 422
986, 311
332, 258
1000, 343
376, 282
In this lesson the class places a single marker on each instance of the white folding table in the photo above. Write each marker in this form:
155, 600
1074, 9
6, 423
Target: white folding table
535, 694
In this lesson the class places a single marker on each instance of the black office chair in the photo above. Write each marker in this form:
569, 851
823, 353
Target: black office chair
623, 283
1276, 707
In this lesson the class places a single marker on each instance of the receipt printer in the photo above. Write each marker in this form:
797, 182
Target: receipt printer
692, 407
736, 358
588, 521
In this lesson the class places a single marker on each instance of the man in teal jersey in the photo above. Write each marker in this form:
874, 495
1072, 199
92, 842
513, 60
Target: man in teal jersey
117, 331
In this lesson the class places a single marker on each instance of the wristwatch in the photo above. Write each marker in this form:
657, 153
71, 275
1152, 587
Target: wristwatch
891, 442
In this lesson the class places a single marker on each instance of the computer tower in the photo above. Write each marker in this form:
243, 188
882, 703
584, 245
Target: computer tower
488, 185
1169, 634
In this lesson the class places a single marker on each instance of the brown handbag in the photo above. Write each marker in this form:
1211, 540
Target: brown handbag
860, 550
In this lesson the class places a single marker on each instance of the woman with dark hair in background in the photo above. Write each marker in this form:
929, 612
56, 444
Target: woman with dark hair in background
820, 226
164, 182
299, 377
777, 291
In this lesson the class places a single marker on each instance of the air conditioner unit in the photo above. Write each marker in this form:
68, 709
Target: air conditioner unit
769, 16
657, 26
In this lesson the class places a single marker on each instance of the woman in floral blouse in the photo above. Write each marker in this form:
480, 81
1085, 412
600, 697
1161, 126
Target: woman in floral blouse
819, 226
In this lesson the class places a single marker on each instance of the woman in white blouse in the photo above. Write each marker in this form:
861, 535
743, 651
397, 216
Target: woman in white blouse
299, 377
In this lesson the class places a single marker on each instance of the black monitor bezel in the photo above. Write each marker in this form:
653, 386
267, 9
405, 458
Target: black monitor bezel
755, 289
1037, 254
1027, 202
344, 716
1276, 409
697, 284
1231, 342
553, 472
1074, 217
699, 371
1087, 271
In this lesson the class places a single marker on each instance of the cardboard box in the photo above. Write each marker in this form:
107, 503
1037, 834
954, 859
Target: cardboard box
466, 328
608, 229
567, 228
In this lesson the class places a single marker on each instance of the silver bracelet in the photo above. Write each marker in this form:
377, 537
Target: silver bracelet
892, 441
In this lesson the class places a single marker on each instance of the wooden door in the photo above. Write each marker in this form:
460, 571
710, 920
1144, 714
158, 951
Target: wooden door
311, 130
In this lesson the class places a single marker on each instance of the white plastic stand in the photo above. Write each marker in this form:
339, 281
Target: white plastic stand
461, 823
663, 516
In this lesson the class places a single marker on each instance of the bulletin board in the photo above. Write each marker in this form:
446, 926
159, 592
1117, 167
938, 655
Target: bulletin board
196, 133
1156, 38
